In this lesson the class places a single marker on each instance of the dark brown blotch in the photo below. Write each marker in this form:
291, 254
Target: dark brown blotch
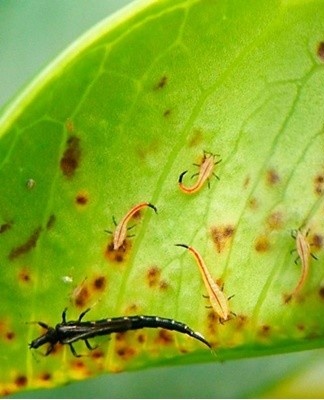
320, 51
164, 337
97, 354
50, 222
221, 236
126, 352
265, 330
21, 381
10, 335
317, 241
262, 244
77, 364
99, 283
272, 177
319, 184
212, 322
141, 338
241, 321
120, 336
82, 199
321, 292
162, 83
46, 377
30, 243
81, 296
70, 160
5, 227
24, 275
119, 255
153, 276
300, 327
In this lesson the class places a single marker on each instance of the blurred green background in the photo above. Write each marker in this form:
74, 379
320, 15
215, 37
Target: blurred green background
34, 32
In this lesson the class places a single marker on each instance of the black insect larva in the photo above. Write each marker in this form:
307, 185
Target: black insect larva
68, 332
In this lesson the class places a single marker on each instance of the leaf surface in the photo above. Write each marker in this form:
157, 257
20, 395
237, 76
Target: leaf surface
114, 122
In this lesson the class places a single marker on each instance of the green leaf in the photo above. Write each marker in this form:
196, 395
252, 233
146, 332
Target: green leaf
114, 122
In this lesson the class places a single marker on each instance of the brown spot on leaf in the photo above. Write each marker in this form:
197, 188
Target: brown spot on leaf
10, 335
2, 326
5, 227
82, 198
253, 203
154, 280
46, 376
97, 354
71, 158
265, 330
262, 244
126, 352
100, 283
320, 51
153, 276
50, 222
131, 309
272, 177
287, 298
183, 350
80, 296
321, 292
164, 337
167, 113
212, 322
141, 338
118, 255
24, 275
5, 392
317, 241
120, 336
27, 246
77, 364
21, 381
319, 184
275, 220
241, 321
300, 327
221, 235
162, 82
146, 150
